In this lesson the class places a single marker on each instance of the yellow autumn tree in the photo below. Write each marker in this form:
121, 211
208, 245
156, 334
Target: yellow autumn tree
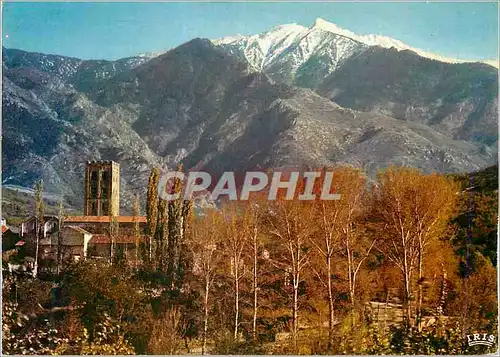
337, 234
413, 211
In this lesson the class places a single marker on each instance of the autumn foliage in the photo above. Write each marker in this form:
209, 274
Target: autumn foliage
378, 271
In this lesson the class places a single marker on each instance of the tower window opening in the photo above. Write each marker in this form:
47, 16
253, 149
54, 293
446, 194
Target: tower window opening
93, 183
93, 211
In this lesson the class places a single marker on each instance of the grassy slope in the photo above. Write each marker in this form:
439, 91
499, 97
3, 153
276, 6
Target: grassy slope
17, 205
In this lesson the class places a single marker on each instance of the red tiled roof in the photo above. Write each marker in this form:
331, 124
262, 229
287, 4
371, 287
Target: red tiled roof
121, 239
105, 219
4, 228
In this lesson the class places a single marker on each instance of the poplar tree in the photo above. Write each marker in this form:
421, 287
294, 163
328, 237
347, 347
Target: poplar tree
39, 214
60, 219
178, 212
152, 209
413, 211
235, 241
290, 224
203, 242
251, 228
340, 231
112, 232
161, 235
136, 213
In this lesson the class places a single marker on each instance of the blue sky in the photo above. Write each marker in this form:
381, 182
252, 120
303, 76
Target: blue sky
116, 30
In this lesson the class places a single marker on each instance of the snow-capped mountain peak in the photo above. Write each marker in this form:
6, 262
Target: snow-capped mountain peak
292, 45
262, 49
324, 38
292, 27
272, 35
228, 39
386, 42
321, 24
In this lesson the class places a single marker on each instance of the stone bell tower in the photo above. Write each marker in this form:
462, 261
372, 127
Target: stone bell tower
102, 188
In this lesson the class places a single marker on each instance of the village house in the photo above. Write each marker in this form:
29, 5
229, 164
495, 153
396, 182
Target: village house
29, 229
10, 237
13, 250
73, 245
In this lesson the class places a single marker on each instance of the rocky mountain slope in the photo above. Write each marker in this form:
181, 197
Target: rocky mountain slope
378, 74
50, 128
205, 105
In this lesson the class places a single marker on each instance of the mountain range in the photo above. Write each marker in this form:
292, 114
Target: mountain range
290, 97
